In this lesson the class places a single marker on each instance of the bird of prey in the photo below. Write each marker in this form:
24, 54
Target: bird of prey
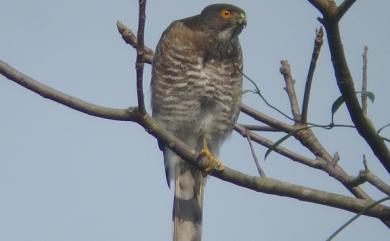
196, 91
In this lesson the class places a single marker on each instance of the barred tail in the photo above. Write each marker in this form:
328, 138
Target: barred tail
188, 203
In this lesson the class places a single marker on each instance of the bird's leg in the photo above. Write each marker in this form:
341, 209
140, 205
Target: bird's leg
213, 163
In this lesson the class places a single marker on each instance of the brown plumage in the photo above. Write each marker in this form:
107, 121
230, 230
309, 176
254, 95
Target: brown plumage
196, 89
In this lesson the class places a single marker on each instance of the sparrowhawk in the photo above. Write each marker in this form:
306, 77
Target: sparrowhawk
196, 91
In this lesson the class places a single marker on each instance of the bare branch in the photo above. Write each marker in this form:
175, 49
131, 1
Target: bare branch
258, 92
358, 180
326, 7
364, 81
309, 79
130, 114
279, 149
264, 184
129, 37
346, 86
330, 10
139, 64
343, 8
151, 126
259, 128
257, 163
286, 72
266, 119
271, 186
377, 182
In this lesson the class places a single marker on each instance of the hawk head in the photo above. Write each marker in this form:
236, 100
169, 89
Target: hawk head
224, 20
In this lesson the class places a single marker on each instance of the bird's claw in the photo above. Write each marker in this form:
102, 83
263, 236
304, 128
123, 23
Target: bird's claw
213, 164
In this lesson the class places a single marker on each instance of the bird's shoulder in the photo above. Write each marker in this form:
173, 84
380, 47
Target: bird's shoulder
184, 32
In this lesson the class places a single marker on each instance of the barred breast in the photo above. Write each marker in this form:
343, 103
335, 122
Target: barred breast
194, 93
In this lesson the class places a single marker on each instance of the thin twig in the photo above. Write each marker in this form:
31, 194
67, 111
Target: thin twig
139, 65
279, 149
129, 37
309, 79
259, 116
364, 81
286, 72
248, 137
260, 128
258, 92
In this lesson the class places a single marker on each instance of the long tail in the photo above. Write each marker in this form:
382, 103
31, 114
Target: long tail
188, 199
188, 203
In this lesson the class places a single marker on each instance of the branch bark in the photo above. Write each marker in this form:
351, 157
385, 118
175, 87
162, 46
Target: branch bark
309, 79
288, 79
129, 37
129, 114
139, 64
331, 16
364, 81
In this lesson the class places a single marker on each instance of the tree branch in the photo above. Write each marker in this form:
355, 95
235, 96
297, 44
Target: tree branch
367, 176
257, 163
259, 128
343, 8
271, 186
279, 149
326, 7
130, 114
309, 79
376, 182
139, 64
286, 72
266, 119
345, 83
364, 81
266, 185
129, 37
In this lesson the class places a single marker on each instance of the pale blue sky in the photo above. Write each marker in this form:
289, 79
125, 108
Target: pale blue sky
66, 176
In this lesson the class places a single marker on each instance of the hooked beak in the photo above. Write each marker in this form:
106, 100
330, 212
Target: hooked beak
242, 19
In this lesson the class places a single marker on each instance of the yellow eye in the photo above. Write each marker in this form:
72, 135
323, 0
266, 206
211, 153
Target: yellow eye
226, 14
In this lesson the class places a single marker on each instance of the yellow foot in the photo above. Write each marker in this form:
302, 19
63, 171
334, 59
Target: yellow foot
213, 163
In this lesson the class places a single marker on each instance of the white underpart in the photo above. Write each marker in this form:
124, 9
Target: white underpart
225, 34
207, 123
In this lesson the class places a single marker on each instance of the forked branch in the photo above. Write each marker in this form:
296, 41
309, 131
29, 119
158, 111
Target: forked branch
331, 16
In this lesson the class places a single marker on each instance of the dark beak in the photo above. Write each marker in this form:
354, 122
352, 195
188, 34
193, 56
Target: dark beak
242, 19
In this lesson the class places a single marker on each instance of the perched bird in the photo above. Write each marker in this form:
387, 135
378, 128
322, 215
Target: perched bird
196, 91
